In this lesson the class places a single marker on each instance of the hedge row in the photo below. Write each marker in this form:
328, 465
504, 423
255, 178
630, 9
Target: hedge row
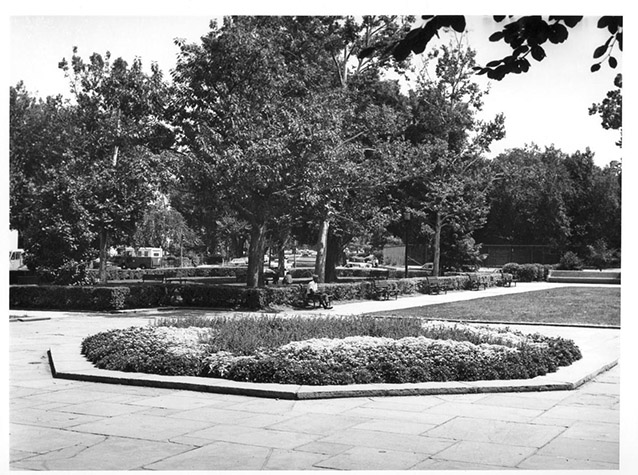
136, 274
239, 273
68, 297
207, 296
528, 272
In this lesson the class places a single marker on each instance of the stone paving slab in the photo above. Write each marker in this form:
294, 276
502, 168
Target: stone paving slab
484, 453
114, 453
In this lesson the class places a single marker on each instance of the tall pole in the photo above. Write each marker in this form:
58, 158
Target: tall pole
406, 219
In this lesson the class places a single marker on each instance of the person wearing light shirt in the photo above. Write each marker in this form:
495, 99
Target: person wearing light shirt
313, 289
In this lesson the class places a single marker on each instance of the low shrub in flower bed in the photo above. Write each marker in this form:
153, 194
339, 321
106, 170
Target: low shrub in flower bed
329, 350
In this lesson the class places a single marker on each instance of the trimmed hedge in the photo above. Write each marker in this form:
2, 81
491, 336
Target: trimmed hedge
136, 274
68, 297
527, 272
239, 273
209, 296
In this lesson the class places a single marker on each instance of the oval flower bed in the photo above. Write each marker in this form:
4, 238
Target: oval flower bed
429, 351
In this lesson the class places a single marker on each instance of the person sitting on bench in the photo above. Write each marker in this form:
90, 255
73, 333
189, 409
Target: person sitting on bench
312, 293
287, 278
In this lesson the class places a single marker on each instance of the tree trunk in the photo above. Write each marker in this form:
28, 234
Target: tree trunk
438, 225
281, 259
256, 254
322, 245
333, 254
104, 243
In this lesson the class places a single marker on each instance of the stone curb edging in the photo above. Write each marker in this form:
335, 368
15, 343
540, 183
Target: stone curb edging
80, 369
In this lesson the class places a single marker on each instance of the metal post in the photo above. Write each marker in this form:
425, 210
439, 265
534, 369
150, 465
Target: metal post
406, 219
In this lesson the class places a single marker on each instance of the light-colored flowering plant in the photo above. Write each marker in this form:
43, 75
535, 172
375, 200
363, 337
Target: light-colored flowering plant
442, 351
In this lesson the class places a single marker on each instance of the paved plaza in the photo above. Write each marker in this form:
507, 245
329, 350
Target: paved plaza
63, 425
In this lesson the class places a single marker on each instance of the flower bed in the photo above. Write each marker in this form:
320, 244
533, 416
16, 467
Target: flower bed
430, 351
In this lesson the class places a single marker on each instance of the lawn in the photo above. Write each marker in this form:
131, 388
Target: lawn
568, 305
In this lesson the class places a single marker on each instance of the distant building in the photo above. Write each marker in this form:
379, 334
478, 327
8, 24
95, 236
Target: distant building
395, 255
13, 239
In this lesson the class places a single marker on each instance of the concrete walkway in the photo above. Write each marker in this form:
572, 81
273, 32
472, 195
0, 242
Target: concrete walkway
63, 425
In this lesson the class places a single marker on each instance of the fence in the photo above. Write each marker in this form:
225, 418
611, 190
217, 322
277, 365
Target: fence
500, 254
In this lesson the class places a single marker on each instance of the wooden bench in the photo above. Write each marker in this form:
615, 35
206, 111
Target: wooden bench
384, 289
28, 280
435, 285
506, 280
475, 283
314, 299
154, 277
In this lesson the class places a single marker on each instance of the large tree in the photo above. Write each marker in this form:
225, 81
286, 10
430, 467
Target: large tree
268, 115
450, 189
119, 134
372, 119
246, 99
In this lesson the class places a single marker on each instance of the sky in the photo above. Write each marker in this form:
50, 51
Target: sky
546, 106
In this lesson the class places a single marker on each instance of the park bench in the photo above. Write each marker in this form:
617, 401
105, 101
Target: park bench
384, 289
435, 285
475, 283
154, 277
314, 299
506, 280
28, 280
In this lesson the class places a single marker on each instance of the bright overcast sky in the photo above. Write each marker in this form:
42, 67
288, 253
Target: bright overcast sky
548, 105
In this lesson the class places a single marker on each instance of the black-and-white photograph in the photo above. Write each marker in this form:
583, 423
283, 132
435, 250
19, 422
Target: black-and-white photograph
260, 240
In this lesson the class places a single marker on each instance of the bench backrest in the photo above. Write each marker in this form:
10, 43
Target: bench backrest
382, 284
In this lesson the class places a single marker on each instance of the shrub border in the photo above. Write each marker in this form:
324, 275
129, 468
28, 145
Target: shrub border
138, 295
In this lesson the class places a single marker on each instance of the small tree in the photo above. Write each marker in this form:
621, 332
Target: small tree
451, 190
600, 256
570, 261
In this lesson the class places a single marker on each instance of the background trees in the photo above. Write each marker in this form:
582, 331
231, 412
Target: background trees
44, 197
551, 198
